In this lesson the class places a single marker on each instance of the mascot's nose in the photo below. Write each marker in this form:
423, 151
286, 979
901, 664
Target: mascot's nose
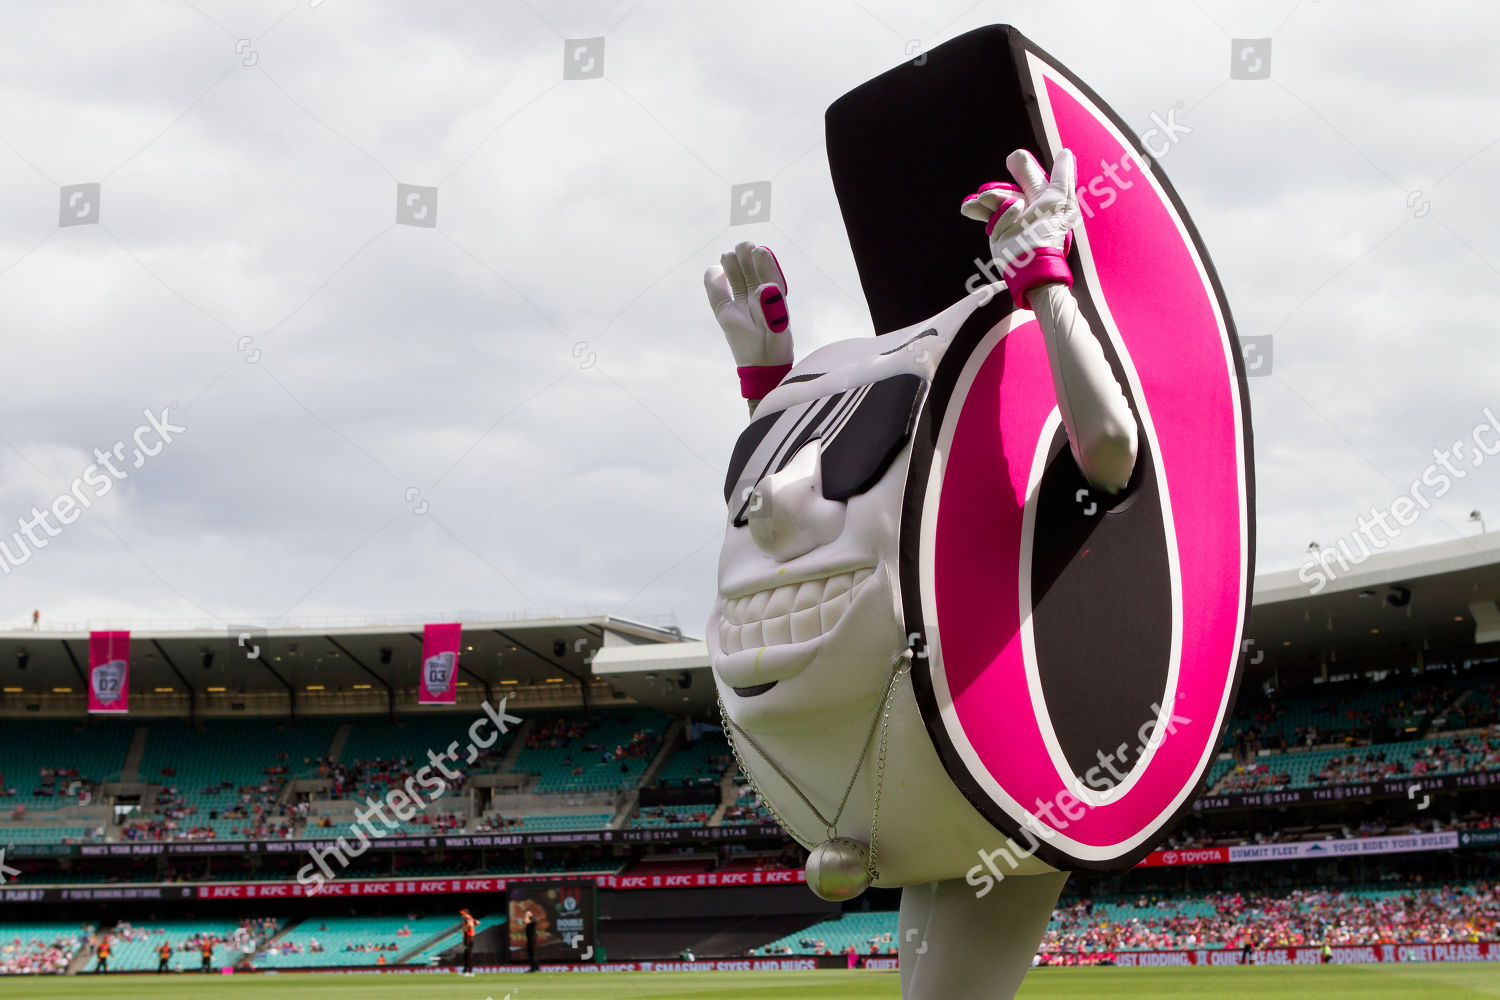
787, 513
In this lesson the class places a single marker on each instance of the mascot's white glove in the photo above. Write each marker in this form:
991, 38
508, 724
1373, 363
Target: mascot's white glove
748, 294
1030, 230
1030, 226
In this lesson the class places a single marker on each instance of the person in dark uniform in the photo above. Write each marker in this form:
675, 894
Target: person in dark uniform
103, 955
206, 949
531, 941
163, 957
469, 924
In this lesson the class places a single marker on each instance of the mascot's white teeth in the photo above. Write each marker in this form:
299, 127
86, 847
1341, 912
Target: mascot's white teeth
794, 612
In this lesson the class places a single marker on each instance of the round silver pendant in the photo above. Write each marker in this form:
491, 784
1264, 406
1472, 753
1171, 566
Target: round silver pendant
838, 869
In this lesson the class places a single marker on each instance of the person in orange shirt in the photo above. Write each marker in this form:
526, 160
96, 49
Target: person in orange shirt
206, 950
469, 924
103, 955
163, 957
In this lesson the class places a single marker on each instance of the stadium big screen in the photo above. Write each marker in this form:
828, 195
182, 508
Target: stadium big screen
563, 913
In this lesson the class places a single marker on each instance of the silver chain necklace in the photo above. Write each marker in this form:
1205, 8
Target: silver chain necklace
882, 720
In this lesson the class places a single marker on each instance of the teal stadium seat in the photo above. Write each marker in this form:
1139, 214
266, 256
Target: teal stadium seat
414, 734
607, 729
96, 750
702, 762
343, 932
837, 935
44, 834
553, 823
212, 764
671, 817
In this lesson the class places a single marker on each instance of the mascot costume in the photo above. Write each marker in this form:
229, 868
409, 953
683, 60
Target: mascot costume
984, 575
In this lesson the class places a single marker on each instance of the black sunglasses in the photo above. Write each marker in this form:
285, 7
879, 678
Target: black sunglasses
859, 432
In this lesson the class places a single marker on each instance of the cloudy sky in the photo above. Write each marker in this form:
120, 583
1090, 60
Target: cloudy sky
527, 405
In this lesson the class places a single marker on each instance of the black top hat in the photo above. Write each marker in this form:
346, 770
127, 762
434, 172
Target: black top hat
908, 146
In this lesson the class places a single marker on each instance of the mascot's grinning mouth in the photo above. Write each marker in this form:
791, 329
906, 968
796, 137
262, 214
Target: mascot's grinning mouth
792, 612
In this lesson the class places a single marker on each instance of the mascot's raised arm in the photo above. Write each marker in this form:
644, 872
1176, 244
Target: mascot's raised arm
747, 292
1031, 230
984, 574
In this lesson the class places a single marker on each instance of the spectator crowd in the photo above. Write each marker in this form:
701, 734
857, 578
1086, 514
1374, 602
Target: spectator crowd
1426, 914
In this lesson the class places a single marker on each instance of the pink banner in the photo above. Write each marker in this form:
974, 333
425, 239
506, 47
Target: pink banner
439, 685
109, 672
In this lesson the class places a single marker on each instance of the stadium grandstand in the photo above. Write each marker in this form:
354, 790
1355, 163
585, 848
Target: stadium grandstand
1355, 800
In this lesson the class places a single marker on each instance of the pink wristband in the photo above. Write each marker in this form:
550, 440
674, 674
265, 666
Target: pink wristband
1047, 264
758, 380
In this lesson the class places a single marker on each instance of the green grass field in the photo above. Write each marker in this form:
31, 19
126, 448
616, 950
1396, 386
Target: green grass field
1368, 982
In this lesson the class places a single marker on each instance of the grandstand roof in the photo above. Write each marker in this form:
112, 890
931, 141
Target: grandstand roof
523, 651
1437, 600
